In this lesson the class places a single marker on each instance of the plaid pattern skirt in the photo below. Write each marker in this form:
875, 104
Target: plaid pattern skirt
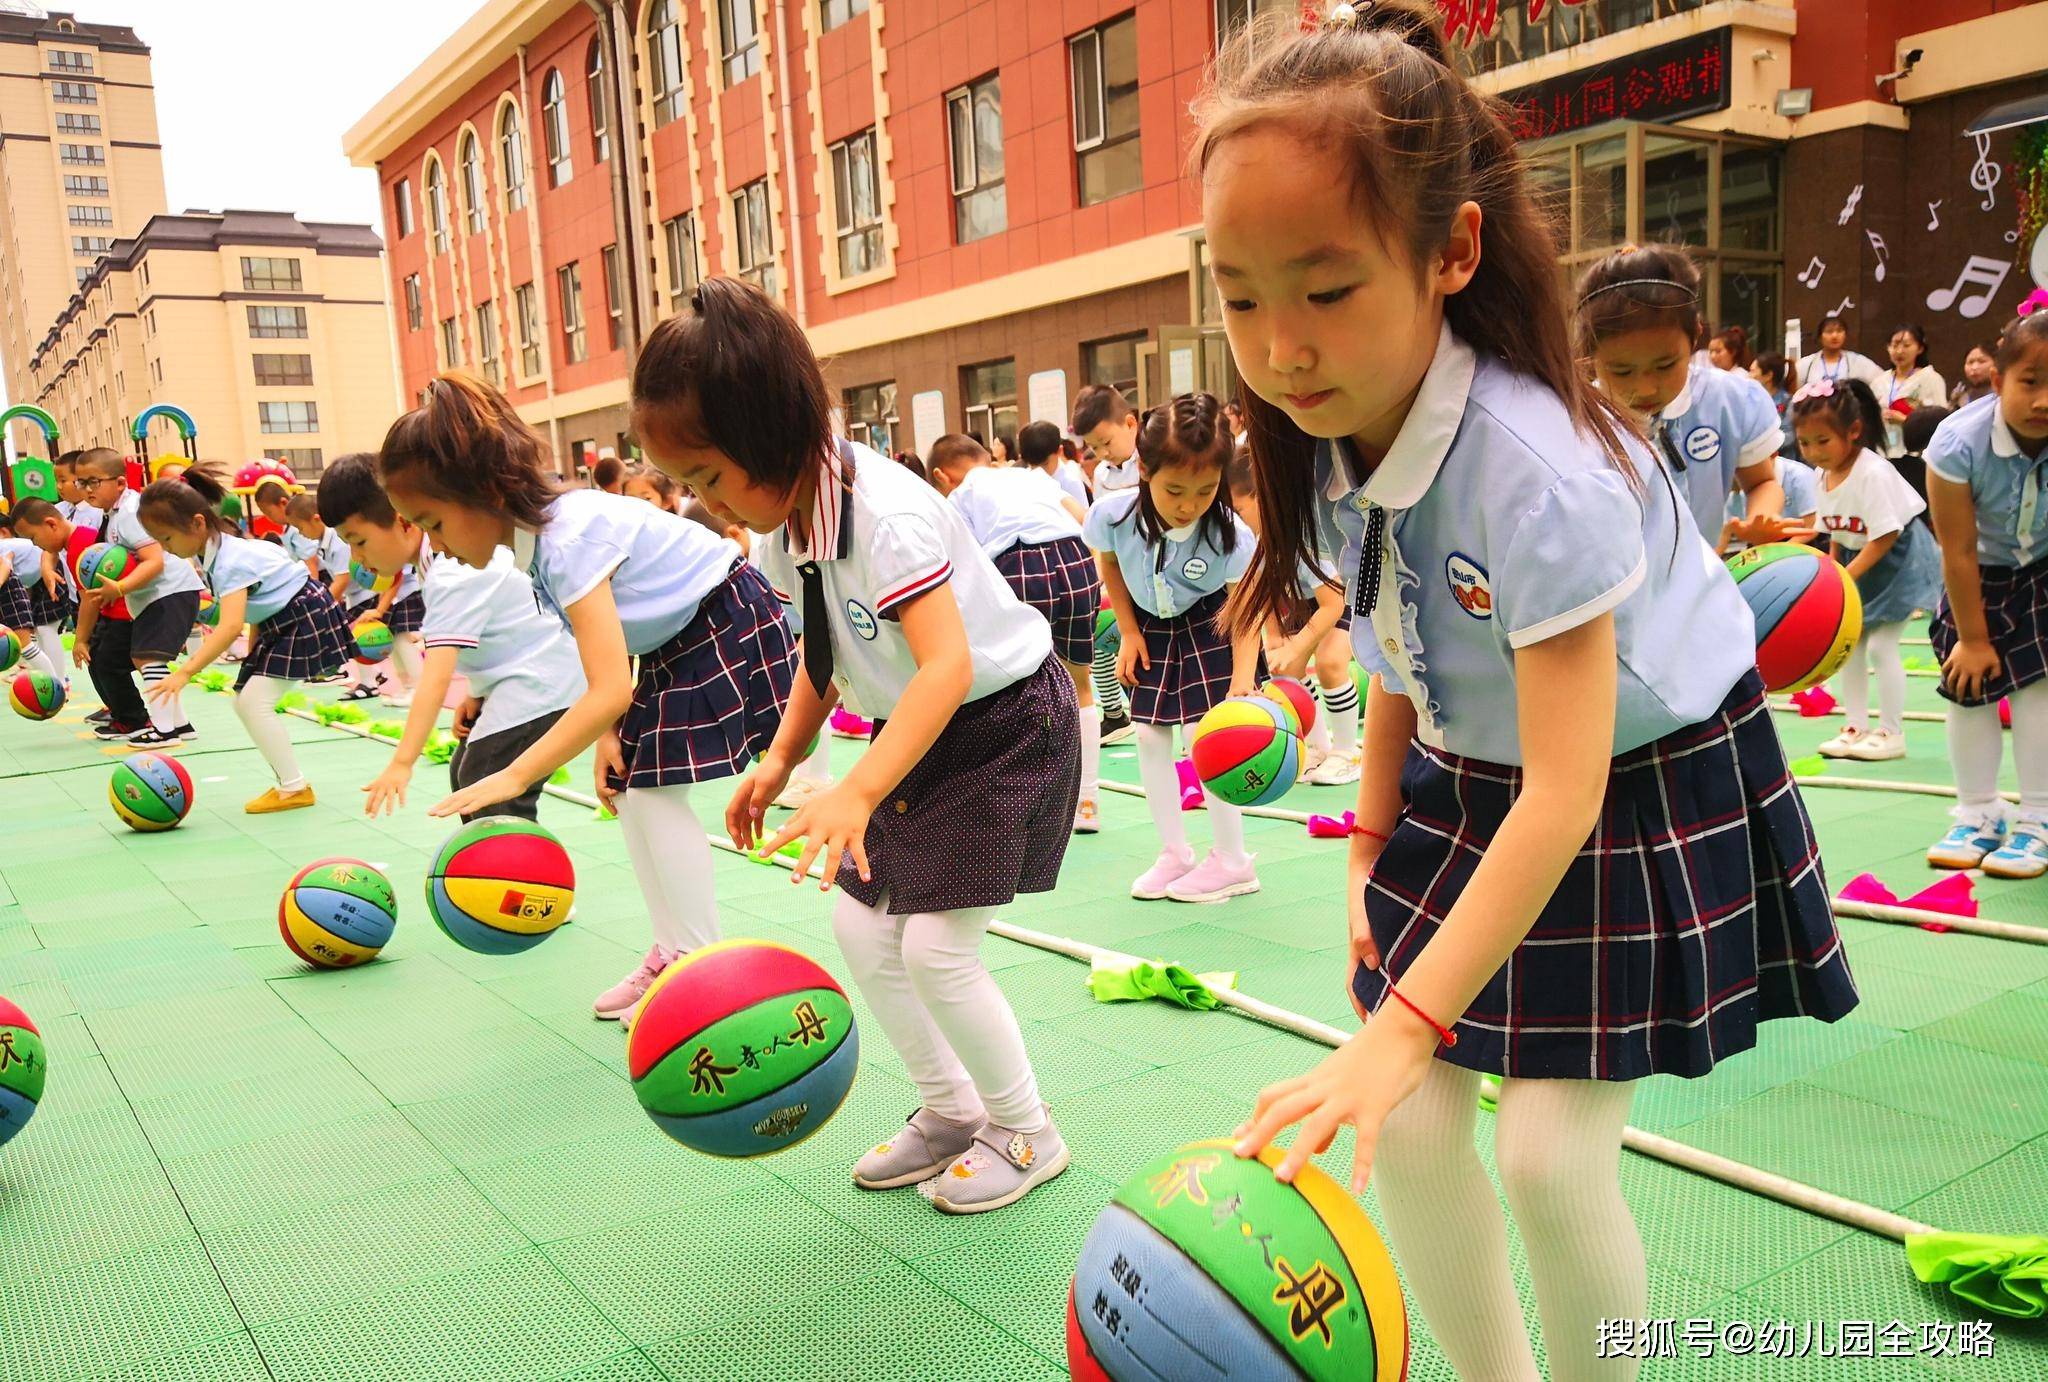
307, 638
710, 699
407, 615
15, 612
1060, 580
1696, 910
2016, 613
987, 812
1190, 668
45, 608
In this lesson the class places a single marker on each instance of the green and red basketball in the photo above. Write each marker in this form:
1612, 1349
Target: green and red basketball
103, 563
35, 694
500, 885
373, 641
1246, 751
209, 611
1808, 613
150, 791
743, 1048
1294, 697
337, 913
24, 1065
10, 649
1205, 1265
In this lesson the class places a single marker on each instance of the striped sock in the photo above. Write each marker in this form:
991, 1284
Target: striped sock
162, 714
33, 658
1109, 692
1340, 710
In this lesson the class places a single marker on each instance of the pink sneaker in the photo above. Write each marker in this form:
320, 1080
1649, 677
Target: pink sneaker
1153, 883
1213, 880
621, 998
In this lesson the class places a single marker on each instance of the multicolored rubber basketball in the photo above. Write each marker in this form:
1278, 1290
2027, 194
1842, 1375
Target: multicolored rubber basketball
35, 694
1808, 614
1296, 698
10, 649
150, 791
209, 611
367, 579
743, 1048
1245, 750
1109, 639
500, 885
103, 563
24, 1065
1204, 1265
373, 641
337, 913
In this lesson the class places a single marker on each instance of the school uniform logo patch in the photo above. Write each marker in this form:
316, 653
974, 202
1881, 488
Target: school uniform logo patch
863, 621
1194, 568
1702, 444
1469, 585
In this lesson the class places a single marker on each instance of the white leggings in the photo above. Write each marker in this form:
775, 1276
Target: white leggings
1976, 746
671, 858
256, 708
923, 979
1162, 798
1879, 645
1557, 1144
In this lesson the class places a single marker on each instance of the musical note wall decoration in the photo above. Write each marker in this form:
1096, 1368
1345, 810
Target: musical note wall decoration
1883, 252
1849, 206
1810, 275
1847, 304
1985, 174
1934, 214
1979, 271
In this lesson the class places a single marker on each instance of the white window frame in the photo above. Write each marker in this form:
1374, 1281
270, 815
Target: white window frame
451, 342
833, 13
299, 418
437, 207
755, 254
554, 125
685, 262
665, 80
526, 309
739, 43
470, 160
575, 336
415, 308
614, 294
962, 106
857, 237
600, 108
487, 340
401, 202
512, 157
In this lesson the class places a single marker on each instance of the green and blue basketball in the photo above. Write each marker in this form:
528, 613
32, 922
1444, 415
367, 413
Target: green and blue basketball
743, 1048
150, 791
373, 641
337, 913
500, 885
103, 563
10, 649
366, 579
35, 694
1246, 750
209, 611
24, 1065
1206, 1265
1808, 612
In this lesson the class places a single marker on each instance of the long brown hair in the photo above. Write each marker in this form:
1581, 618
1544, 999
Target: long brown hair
465, 445
197, 493
1417, 141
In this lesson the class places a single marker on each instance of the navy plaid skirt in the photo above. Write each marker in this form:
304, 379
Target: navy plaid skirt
15, 612
307, 638
47, 609
2015, 603
1696, 910
987, 812
711, 698
1060, 580
407, 615
1190, 668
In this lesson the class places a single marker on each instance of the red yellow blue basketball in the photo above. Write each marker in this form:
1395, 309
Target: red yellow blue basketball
209, 611
743, 1048
367, 579
373, 640
500, 885
24, 1066
337, 913
150, 791
1295, 697
10, 649
1205, 1265
1808, 614
103, 563
35, 694
1246, 751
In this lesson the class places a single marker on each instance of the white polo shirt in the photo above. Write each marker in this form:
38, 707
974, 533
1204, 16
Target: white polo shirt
518, 659
886, 539
264, 569
126, 530
1007, 506
1111, 476
661, 565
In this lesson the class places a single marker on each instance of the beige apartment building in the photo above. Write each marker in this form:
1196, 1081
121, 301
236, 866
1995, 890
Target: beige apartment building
80, 164
269, 331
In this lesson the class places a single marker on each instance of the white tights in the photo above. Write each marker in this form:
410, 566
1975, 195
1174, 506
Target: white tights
1557, 1144
671, 857
1976, 746
923, 979
1162, 798
256, 708
1879, 645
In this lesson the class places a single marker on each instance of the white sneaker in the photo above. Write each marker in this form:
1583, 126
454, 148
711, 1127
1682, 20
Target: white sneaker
1878, 746
1087, 817
800, 791
1841, 744
1340, 767
1312, 758
1166, 870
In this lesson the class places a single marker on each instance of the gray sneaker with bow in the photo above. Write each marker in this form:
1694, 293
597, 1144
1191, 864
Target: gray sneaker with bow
925, 1147
1002, 1167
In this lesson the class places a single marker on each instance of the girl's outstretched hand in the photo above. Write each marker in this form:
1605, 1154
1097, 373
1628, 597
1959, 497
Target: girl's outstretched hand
836, 822
752, 798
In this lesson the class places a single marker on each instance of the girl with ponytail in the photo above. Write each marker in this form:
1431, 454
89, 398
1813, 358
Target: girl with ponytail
1578, 857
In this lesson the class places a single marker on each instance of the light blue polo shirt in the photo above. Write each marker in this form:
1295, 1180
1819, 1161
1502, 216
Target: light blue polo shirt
1506, 526
1170, 575
26, 559
1720, 422
1801, 483
1973, 446
661, 565
264, 569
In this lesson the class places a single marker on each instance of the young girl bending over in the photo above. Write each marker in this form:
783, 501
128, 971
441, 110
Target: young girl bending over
1170, 550
1871, 516
1580, 859
1991, 630
627, 580
299, 630
965, 797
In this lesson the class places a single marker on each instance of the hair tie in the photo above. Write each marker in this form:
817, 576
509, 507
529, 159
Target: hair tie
697, 301
1822, 387
1345, 15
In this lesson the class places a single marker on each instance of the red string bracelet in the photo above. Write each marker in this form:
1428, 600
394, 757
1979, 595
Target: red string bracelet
1449, 1037
1357, 829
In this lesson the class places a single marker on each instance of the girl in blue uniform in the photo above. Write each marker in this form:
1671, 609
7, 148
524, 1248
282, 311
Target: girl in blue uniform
1170, 551
1579, 858
299, 631
1984, 481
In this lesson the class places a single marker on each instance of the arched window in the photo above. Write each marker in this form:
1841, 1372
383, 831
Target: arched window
600, 103
665, 61
512, 157
437, 206
472, 184
554, 125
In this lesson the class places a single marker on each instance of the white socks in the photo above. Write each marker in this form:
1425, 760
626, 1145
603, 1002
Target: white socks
1880, 643
405, 660
671, 858
1558, 1146
1340, 714
36, 658
924, 981
1091, 751
163, 714
256, 708
1976, 746
1162, 798
818, 766
51, 641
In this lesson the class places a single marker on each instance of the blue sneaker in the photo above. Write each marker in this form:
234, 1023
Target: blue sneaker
1967, 843
2023, 855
